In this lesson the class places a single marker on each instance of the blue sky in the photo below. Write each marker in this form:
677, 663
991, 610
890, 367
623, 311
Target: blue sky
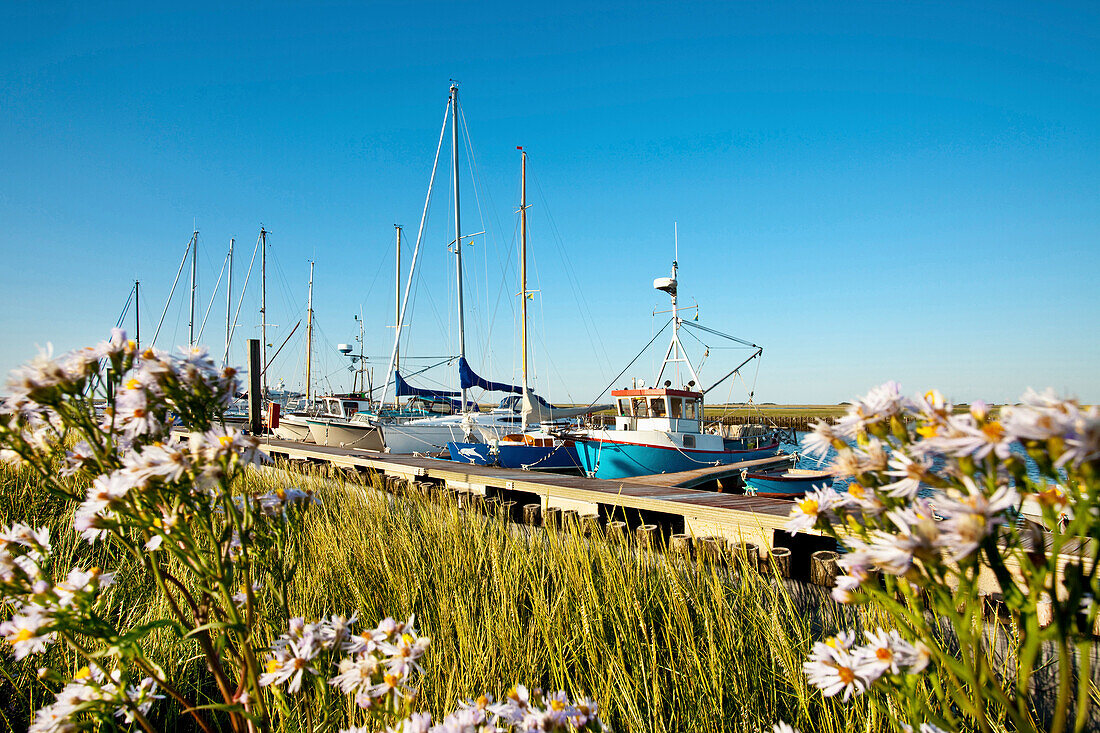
871, 191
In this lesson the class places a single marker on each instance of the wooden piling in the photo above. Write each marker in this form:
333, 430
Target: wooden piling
746, 555
532, 514
680, 544
646, 534
823, 568
779, 562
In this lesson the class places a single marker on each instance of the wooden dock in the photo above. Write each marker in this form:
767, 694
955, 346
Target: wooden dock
667, 500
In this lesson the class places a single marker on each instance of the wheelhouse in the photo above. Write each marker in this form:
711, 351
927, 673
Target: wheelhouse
677, 410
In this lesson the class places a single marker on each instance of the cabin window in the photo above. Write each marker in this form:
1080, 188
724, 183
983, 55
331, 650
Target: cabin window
675, 408
657, 406
639, 407
689, 441
350, 408
624, 407
691, 409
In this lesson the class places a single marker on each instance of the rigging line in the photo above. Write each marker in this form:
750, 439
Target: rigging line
500, 295
693, 324
213, 295
644, 348
416, 252
758, 352
584, 310
240, 301
272, 359
172, 291
125, 309
490, 233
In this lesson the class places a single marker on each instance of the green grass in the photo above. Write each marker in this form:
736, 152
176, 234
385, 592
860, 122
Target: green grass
662, 646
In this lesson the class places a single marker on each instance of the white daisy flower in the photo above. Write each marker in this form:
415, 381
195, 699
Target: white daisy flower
806, 510
834, 671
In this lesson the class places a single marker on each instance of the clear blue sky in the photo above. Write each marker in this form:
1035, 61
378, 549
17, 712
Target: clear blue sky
871, 191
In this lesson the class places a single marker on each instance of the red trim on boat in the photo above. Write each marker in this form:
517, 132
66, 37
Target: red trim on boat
679, 449
779, 477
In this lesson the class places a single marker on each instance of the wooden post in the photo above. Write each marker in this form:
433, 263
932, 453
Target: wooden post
552, 517
823, 568
746, 555
680, 544
508, 510
646, 534
590, 525
711, 549
532, 514
616, 531
569, 519
781, 562
255, 412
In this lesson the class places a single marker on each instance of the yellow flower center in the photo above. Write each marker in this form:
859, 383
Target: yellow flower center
928, 431
884, 654
225, 441
22, 635
83, 673
808, 506
272, 665
846, 675
391, 679
993, 430
557, 705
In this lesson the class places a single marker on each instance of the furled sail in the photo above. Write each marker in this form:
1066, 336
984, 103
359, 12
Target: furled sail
536, 410
468, 379
404, 389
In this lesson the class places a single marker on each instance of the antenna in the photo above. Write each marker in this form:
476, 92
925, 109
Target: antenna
676, 241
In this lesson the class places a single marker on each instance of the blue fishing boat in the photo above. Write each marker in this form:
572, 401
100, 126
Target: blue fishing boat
660, 430
787, 483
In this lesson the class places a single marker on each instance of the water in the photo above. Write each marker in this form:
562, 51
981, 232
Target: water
937, 465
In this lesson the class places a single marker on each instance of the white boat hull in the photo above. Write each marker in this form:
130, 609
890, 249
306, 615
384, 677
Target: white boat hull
293, 429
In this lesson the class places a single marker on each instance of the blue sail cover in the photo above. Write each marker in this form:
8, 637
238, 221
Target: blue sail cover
467, 379
404, 389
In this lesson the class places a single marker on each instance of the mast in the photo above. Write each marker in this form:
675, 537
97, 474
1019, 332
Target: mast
416, 253
228, 303
397, 312
676, 353
194, 274
309, 332
523, 268
458, 231
137, 312
263, 305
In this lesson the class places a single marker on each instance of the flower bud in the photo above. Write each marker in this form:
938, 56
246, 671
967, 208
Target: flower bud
966, 465
897, 427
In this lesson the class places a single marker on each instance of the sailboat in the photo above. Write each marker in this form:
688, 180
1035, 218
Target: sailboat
538, 449
431, 434
659, 429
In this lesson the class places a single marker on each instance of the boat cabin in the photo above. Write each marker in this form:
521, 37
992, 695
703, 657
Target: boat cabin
671, 410
343, 406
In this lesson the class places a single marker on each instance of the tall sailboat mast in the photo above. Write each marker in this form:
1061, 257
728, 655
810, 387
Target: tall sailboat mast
458, 231
263, 305
194, 283
137, 312
309, 334
523, 268
229, 301
397, 311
